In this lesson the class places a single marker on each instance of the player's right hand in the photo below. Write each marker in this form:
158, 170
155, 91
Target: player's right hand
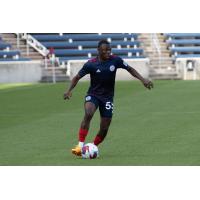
148, 84
67, 95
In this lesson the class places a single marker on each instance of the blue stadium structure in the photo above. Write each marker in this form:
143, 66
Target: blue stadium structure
157, 54
4, 45
183, 45
84, 46
7, 54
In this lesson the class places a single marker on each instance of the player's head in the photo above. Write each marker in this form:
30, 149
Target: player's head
104, 49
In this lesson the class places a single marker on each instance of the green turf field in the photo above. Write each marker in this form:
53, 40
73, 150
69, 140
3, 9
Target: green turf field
158, 127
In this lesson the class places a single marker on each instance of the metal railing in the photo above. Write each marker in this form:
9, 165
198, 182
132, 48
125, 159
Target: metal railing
41, 49
35, 44
155, 44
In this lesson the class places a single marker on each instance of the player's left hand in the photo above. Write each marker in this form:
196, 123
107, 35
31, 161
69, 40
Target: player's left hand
148, 84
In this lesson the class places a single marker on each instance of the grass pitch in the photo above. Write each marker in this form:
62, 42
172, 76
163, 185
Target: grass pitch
158, 127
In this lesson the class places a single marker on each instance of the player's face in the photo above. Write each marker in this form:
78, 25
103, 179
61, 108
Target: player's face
104, 51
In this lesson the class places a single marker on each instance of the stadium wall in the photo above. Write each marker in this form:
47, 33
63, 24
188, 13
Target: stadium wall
188, 68
19, 72
141, 65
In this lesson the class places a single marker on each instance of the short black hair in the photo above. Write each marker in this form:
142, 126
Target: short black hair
103, 42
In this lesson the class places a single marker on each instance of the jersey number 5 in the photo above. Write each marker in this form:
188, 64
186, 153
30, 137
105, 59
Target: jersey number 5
109, 105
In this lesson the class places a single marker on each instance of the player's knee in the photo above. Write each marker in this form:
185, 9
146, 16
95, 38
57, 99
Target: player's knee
88, 116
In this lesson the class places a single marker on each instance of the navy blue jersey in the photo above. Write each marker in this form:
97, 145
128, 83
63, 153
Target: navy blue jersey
102, 75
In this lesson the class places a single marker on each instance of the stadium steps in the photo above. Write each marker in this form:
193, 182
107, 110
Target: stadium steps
163, 74
159, 69
34, 55
60, 74
12, 39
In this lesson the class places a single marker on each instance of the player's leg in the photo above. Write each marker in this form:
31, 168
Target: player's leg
104, 126
106, 112
90, 107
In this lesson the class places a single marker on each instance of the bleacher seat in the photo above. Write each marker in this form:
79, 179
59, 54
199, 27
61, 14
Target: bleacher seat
186, 56
84, 37
4, 45
65, 59
89, 44
185, 49
183, 42
76, 52
183, 45
84, 46
14, 59
7, 54
181, 35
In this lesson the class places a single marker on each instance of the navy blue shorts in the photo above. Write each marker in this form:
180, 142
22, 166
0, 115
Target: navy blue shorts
105, 106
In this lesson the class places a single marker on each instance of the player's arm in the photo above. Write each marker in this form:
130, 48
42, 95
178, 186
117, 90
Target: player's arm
83, 71
73, 83
147, 83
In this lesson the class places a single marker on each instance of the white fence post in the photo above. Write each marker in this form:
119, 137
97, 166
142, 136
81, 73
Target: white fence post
18, 41
27, 49
53, 62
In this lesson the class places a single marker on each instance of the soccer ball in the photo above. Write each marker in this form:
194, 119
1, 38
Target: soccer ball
90, 151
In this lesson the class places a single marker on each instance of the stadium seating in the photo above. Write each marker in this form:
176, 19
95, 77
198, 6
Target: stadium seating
183, 45
4, 45
184, 42
7, 54
14, 59
88, 44
182, 35
83, 46
84, 37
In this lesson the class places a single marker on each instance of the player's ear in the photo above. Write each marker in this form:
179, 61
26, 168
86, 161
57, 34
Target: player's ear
98, 49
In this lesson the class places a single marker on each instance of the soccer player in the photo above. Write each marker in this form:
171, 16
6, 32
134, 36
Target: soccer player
102, 70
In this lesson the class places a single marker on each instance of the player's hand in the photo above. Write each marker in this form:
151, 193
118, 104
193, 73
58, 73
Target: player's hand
67, 95
148, 84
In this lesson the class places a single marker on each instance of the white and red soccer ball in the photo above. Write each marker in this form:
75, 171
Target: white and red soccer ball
90, 151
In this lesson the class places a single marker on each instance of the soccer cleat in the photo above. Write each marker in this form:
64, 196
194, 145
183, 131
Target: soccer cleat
77, 150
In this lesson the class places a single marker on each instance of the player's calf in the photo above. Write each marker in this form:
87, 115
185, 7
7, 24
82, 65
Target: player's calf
100, 137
